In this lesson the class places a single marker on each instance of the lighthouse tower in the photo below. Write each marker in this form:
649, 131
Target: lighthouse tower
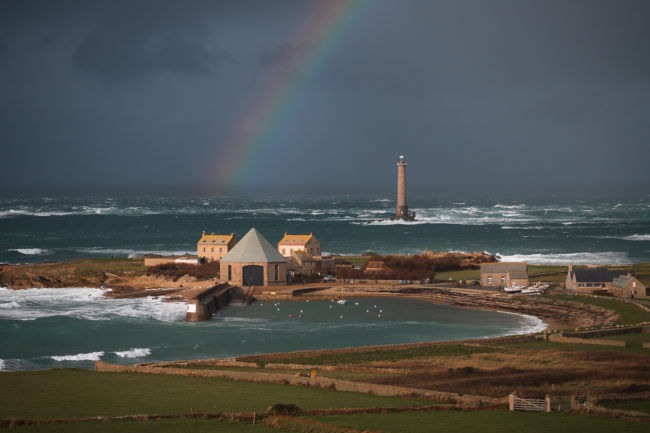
402, 209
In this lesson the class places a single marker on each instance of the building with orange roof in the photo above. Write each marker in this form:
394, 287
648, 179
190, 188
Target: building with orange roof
293, 243
214, 247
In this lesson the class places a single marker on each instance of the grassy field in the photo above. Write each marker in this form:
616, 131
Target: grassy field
79, 393
381, 355
465, 274
98, 266
637, 405
630, 314
498, 421
575, 347
157, 426
632, 340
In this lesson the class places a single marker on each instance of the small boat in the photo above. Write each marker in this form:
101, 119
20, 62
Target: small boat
342, 301
515, 288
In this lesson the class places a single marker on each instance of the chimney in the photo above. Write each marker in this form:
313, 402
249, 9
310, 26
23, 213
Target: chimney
629, 274
311, 233
203, 232
286, 233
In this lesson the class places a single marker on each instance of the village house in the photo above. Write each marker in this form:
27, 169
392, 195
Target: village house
628, 286
375, 266
590, 279
504, 274
301, 264
213, 247
253, 262
293, 243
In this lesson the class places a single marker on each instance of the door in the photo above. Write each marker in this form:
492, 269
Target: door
253, 275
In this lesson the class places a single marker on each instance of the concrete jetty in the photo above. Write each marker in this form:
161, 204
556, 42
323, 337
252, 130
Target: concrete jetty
206, 304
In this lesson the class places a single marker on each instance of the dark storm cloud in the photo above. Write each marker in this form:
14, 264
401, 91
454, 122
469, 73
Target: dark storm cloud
496, 89
122, 48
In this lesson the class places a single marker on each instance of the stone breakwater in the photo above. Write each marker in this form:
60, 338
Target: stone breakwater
318, 382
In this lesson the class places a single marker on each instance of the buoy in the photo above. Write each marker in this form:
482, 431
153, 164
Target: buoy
289, 316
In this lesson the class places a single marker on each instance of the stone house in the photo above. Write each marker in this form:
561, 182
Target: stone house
214, 247
294, 243
628, 286
504, 274
590, 279
253, 262
375, 266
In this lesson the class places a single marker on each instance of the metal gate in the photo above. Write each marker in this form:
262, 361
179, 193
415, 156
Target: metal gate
253, 275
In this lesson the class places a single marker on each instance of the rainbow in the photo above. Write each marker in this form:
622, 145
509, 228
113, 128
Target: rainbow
249, 141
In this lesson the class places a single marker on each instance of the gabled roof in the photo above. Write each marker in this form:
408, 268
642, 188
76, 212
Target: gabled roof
216, 239
295, 239
595, 275
503, 268
253, 248
621, 280
518, 274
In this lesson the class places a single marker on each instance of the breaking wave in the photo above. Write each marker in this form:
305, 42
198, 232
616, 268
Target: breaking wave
637, 238
83, 303
92, 356
130, 253
610, 258
30, 251
134, 353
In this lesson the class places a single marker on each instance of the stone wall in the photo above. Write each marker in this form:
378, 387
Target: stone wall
557, 338
318, 382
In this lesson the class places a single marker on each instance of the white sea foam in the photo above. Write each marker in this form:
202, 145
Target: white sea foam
30, 251
84, 303
2, 364
134, 353
131, 253
7, 305
532, 323
92, 356
585, 258
637, 238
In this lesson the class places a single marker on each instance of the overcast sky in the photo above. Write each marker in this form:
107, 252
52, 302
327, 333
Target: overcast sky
150, 93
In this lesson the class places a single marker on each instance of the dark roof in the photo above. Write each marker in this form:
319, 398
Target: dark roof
592, 275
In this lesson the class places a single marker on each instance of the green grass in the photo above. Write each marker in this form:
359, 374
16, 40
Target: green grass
383, 355
465, 274
79, 393
98, 266
158, 426
633, 340
357, 260
552, 345
637, 405
630, 314
498, 421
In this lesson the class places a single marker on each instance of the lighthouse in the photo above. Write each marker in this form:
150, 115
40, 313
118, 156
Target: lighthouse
402, 209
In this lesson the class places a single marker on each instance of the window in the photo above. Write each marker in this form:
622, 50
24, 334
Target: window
203, 249
212, 250
276, 272
489, 280
220, 250
229, 272
503, 280
590, 285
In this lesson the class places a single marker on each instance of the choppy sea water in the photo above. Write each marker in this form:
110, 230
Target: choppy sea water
45, 327
551, 229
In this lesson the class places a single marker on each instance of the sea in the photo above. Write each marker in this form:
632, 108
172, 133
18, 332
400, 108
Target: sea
45, 328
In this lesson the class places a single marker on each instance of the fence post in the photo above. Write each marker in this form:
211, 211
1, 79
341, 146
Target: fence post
511, 401
548, 403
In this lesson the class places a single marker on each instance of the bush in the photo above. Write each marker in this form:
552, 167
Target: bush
203, 271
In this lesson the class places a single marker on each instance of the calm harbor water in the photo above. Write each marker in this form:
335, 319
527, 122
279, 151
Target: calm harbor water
44, 327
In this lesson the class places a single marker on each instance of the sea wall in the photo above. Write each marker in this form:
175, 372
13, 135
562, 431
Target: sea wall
608, 332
